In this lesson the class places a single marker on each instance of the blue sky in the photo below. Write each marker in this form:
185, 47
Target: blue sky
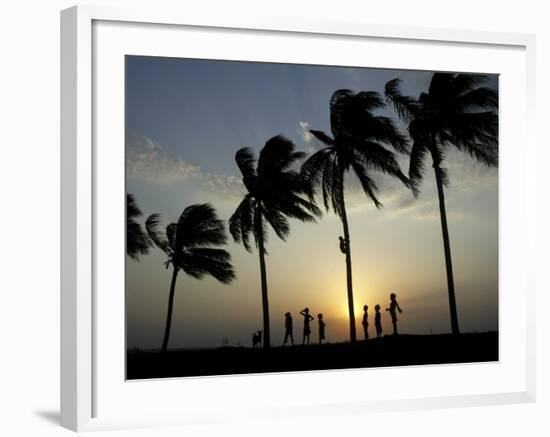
186, 118
207, 105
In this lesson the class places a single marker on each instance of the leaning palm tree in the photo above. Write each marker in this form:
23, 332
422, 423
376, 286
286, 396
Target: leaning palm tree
359, 143
191, 246
137, 242
275, 193
456, 111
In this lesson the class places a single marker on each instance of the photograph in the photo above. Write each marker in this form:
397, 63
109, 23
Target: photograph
296, 217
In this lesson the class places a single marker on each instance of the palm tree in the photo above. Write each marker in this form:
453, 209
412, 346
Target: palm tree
191, 246
274, 193
137, 242
359, 143
456, 111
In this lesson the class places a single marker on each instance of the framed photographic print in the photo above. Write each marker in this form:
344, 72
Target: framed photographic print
250, 207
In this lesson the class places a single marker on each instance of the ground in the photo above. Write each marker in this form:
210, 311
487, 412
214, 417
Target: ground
402, 350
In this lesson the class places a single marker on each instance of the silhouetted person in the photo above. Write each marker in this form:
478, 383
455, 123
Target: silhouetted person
322, 325
392, 309
343, 245
307, 329
378, 321
288, 329
365, 322
256, 339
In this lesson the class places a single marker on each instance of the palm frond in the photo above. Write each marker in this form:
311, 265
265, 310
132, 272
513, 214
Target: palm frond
278, 222
241, 222
337, 192
132, 210
293, 206
384, 130
481, 98
323, 137
278, 154
438, 157
246, 161
157, 235
199, 225
351, 114
416, 166
328, 182
406, 107
369, 100
371, 155
312, 170
171, 231
465, 82
483, 153
137, 242
337, 108
369, 185
198, 262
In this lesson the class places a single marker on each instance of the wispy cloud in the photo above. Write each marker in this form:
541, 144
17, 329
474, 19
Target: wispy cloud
305, 133
469, 176
467, 179
147, 160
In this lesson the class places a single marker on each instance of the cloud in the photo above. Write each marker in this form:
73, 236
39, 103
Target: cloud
468, 179
306, 134
469, 176
226, 187
147, 160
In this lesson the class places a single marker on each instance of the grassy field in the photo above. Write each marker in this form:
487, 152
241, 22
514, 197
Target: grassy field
402, 350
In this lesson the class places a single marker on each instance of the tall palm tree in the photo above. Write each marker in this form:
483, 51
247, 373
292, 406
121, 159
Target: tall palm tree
137, 242
275, 193
456, 111
359, 143
191, 246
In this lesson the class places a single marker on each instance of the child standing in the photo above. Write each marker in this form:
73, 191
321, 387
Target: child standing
288, 329
321, 328
378, 321
307, 329
365, 322
393, 313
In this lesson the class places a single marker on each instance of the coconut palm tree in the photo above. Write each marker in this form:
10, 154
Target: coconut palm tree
275, 193
456, 111
137, 242
191, 245
360, 143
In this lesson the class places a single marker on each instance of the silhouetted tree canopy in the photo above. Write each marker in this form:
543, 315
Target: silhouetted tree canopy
191, 242
275, 191
456, 111
137, 242
361, 142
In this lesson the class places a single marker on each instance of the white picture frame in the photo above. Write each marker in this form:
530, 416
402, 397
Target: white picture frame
83, 369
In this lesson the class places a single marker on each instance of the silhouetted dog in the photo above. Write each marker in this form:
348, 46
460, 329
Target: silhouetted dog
257, 339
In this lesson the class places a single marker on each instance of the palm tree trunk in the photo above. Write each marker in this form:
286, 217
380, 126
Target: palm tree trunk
263, 275
447, 247
170, 309
344, 217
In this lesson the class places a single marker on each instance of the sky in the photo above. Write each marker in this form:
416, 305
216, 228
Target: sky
186, 118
